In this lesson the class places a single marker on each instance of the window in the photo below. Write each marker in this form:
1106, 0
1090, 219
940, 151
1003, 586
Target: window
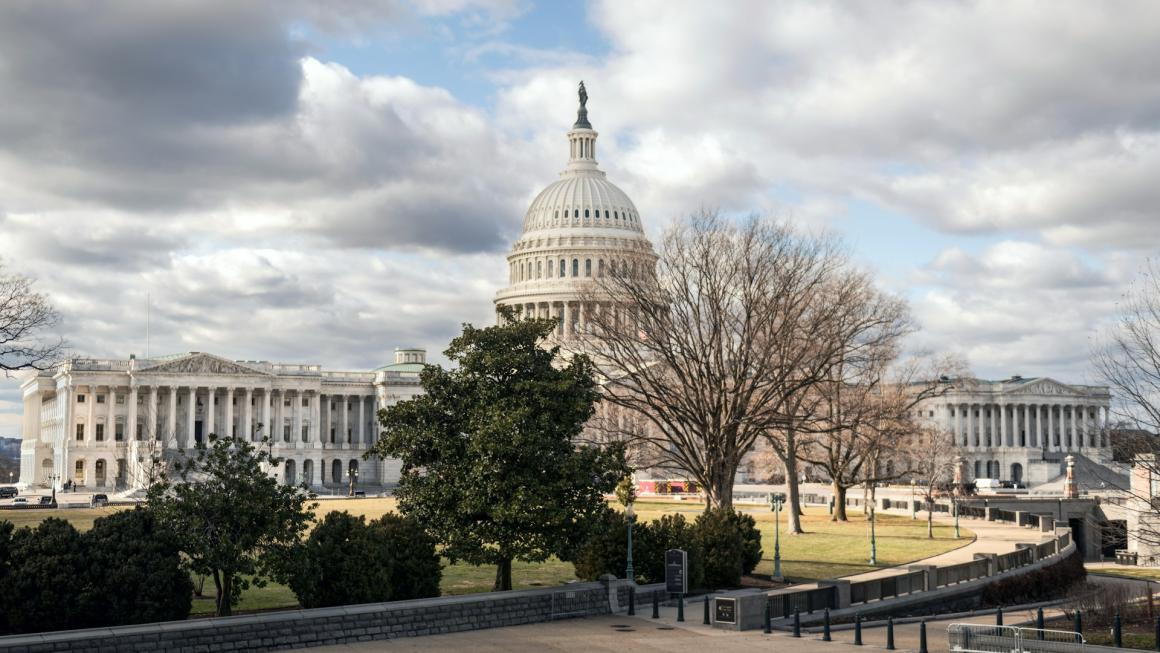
80, 432
575, 213
80, 399
931, 414
140, 431
563, 268
615, 215
100, 432
100, 399
539, 269
305, 402
233, 430
605, 214
586, 213
286, 401
286, 433
119, 431
600, 268
587, 267
332, 435
575, 267
349, 435
120, 399
306, 433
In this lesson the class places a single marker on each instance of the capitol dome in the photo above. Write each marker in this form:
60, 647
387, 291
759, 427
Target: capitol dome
577, 230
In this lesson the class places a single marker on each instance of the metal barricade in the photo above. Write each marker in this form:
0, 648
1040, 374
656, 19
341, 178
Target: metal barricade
984, 638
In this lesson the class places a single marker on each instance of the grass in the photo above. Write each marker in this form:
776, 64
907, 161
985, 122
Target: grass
1143, 573
827, 549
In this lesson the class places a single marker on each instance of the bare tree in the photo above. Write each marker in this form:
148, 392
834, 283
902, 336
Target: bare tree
933, 457
24, 317
712, 345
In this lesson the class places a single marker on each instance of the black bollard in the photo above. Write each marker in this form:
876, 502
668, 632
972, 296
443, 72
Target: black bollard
890, 633
1039, 623
922, 637
826, 626
1158, 633
1078, 627
705, 619
681, 608
631, 601
999, 616
656, 606
797, 623
857, 630
765, 627
1117, 632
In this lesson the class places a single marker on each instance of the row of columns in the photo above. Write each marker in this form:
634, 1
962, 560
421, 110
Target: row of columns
152, 412
1049, 427
572, 317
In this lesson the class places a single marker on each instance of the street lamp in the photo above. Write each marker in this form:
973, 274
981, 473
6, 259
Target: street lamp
913, 507
775, 501
955, 507
873, 540
630, 517
353, 474
52, 479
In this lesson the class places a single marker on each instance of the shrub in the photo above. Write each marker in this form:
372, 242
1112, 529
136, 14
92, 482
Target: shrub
45, 584
719, 535
415, 567
750, 543
667, 532
340, 564
1046, 583
605, 549
136, 573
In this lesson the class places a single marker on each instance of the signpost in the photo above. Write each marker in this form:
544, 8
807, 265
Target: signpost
726, 612
676, 571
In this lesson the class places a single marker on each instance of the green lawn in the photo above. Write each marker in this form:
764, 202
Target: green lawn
1143, 573
826, 550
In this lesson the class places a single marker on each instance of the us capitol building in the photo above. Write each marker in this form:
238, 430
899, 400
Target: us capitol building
99, 424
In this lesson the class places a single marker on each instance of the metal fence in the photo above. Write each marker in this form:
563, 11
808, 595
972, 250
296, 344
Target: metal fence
804, 601
1015, 559
982, 638
962, 572
887, 587
1028, 519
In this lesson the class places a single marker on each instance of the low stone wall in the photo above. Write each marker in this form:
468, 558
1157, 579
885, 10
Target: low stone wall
324, 626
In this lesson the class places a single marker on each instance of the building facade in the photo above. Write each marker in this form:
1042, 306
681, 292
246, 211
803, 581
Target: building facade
101, 424
1020, 429
577, 230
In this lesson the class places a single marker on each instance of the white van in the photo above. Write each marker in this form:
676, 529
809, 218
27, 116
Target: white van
988, 484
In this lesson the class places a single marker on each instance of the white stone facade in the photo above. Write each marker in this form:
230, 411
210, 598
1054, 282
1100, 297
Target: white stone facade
1020, 429
100, 423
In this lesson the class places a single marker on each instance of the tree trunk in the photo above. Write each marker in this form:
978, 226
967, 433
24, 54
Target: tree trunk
720, 494
792, 489
929, 524
225, 587
503, 575
839, 502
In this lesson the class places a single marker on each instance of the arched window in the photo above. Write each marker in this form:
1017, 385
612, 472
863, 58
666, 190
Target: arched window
539, 269
632, 273
587, 267
605, 214
575, 267
586, 213
575, 213
978, 469
615, 215
563, 268
600, 268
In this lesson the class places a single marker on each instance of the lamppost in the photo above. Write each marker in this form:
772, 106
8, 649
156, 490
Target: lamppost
873, 540
630, 517
913, 508
52, 479
776, 499
955, 507
353, 474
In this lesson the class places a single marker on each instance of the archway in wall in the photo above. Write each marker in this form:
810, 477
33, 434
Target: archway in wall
122, 473
45, 470
978, 469
1016, 473
99, 472
79, 473
291, 473
336, 472
308, 472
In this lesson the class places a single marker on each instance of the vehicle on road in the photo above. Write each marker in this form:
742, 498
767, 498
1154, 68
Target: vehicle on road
46, 501
8, 492
99, 500
20, 501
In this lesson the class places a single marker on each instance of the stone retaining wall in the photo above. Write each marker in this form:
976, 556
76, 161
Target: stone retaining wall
323, 626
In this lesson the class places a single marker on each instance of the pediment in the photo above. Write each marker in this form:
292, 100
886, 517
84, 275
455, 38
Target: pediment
202, 364
1046, 387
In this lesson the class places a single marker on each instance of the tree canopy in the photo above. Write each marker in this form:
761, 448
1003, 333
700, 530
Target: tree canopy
490, 462
236, 523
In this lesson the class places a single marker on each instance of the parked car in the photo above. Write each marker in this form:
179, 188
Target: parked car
99, 500
8, 492
360, 494
46, 501
20, 501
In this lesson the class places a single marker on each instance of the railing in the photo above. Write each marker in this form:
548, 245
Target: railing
807, 601
887, 587
1015, 559
1028, 519
1045, 549
982, 638
962, 572
998, 514
972, 511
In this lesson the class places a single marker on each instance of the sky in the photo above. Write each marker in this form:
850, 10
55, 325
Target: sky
323, 181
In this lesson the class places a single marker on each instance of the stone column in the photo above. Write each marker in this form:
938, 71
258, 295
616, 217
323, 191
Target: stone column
1004, 432
229, 427
171, 437
972, 434
91, 420
191, 417
995, 437
210, 410
131, 421
153, 414
316, 419
1051, 428
1075, 441
960, 430
274, 435
566, 313
1039, 441
111, 418
246, 396
295, 416
344, 420
361, 421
